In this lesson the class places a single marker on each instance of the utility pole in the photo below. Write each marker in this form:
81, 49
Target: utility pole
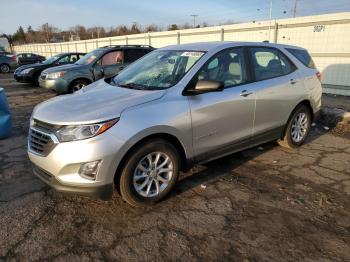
270, 17
47, 32
295, 8
194, 20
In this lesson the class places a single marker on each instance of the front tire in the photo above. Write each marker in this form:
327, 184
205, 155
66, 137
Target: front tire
297, 129
4, 68
36, 79
77, 85
150, 172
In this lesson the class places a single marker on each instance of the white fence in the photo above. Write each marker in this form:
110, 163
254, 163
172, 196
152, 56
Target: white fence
327, 37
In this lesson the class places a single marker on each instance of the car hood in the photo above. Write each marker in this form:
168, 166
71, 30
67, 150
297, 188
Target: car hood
63, 68
97, 102
36, 65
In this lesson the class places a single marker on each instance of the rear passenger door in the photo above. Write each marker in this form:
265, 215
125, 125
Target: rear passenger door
277, 87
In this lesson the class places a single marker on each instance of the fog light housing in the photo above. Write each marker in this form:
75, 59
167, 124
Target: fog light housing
89, 170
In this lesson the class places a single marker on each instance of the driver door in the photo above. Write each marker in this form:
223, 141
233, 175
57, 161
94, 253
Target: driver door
223, 121
111, 63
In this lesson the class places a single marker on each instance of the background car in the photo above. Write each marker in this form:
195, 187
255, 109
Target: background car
29, 58
8, 62
30, 73
103, 62
5, 116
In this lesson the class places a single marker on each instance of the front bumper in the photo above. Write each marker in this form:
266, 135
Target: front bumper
60, 167
23, 78
103, 192
59, 85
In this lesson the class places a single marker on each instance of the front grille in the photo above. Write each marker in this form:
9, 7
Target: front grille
40, 143
42, 173
46, 127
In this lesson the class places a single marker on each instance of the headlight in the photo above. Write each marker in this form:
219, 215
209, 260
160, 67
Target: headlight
74, 133
56, 75
26, 71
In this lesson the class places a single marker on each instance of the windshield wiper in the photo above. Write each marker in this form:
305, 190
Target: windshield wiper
132, 86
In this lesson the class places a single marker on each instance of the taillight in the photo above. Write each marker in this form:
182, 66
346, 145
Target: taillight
319, 76
14, 58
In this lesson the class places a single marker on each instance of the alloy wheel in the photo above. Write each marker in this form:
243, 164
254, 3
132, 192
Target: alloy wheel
153, 174
4, 69
78, 86
299, 127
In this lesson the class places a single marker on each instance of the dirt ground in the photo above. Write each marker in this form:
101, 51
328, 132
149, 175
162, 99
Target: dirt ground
265, 203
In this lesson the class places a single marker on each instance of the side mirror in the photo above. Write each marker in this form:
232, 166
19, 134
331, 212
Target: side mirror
205, 86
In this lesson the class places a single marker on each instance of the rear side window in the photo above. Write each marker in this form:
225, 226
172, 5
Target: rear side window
303, 56
269, 63
73, 58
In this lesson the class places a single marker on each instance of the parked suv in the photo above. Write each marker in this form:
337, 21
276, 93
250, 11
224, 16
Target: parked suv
31, 73
178, 106
103, 62
8, 62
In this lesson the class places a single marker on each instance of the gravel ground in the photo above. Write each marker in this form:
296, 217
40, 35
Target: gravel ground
266, 203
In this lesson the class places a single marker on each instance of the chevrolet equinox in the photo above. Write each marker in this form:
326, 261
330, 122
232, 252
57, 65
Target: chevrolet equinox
175, 107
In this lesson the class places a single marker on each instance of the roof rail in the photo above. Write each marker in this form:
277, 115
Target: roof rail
127, 46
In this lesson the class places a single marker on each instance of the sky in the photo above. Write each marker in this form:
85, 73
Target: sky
67, 13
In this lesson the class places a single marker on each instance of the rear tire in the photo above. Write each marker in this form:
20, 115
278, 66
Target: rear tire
4, 68
150, 172
297, 129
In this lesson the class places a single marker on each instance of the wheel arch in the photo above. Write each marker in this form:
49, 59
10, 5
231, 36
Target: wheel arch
79, 78
304, 102
185, 163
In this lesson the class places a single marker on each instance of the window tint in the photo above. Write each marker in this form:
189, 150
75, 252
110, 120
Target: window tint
227, 67
269, 63
64, 60
113, 58
132, 55
303, 56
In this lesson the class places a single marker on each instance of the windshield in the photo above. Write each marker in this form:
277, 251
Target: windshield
89, 57
51, 60
157, 70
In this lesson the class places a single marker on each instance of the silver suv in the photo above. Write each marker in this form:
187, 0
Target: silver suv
175, 107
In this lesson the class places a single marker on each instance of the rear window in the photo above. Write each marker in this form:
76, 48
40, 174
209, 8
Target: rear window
303, 56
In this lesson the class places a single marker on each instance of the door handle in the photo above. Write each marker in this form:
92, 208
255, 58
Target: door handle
292, 81
245, 93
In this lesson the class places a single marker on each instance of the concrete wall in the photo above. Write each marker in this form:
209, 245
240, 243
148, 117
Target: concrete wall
327, 37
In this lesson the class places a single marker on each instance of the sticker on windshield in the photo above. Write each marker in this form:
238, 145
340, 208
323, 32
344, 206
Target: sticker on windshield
192, 54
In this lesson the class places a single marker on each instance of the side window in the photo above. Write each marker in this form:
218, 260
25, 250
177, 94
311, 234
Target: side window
132, 55
63, 60
303, 56
73, 59
113, 58
227, 67
269, 63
